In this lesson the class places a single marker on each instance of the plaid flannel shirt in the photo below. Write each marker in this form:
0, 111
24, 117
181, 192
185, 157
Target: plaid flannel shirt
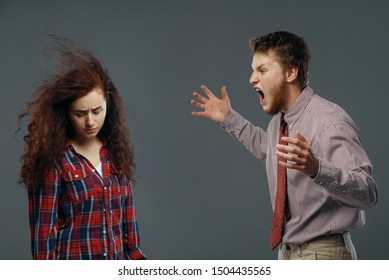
79, 214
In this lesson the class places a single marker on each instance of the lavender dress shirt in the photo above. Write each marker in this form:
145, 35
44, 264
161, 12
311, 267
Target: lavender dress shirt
333, 202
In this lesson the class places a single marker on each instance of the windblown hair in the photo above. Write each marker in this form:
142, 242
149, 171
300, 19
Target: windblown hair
78, 73
290, 49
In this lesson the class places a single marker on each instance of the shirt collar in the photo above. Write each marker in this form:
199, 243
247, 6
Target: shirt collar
68, 144
295, 111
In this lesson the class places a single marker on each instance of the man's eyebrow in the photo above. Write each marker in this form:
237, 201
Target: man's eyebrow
261, 66
258, 67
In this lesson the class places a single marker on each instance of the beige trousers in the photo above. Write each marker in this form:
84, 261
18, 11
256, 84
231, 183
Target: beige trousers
331, 247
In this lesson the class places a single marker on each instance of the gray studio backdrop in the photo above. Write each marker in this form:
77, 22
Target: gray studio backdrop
200, 194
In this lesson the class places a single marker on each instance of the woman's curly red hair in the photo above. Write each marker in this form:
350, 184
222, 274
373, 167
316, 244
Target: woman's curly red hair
79, 72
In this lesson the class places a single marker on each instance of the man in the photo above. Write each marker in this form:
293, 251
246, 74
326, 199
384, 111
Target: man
311, 143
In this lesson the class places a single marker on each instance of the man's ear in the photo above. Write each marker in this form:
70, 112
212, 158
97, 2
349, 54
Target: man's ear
291, 74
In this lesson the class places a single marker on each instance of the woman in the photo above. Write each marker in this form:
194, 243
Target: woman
78, 164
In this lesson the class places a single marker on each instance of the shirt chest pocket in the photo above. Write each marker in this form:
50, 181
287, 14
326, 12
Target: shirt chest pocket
119, 189
79, 185
121, 184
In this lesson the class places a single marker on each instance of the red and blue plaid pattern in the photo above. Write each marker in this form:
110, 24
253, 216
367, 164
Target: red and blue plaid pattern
78, 214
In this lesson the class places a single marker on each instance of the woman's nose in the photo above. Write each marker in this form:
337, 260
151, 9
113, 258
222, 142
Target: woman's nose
89, 120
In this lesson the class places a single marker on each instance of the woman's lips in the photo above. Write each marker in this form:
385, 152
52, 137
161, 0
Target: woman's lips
90, 131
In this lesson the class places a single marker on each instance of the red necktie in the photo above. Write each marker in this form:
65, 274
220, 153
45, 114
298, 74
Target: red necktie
279, 208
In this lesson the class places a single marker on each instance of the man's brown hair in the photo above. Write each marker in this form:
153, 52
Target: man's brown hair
290, 50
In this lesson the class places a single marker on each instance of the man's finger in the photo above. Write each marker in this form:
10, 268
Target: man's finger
287, 156
290, 140
200, 97
289, 149
198, 104
300, 142
199, 114
300, 136
207, 91
224, 93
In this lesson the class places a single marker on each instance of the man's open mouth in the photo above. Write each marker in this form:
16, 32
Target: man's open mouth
260, 93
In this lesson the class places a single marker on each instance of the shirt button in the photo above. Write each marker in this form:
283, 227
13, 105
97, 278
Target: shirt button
104, 254
104, 231
76, 175
94, 170
105, 188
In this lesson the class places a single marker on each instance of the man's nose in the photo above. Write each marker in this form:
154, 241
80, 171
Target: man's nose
253, 79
